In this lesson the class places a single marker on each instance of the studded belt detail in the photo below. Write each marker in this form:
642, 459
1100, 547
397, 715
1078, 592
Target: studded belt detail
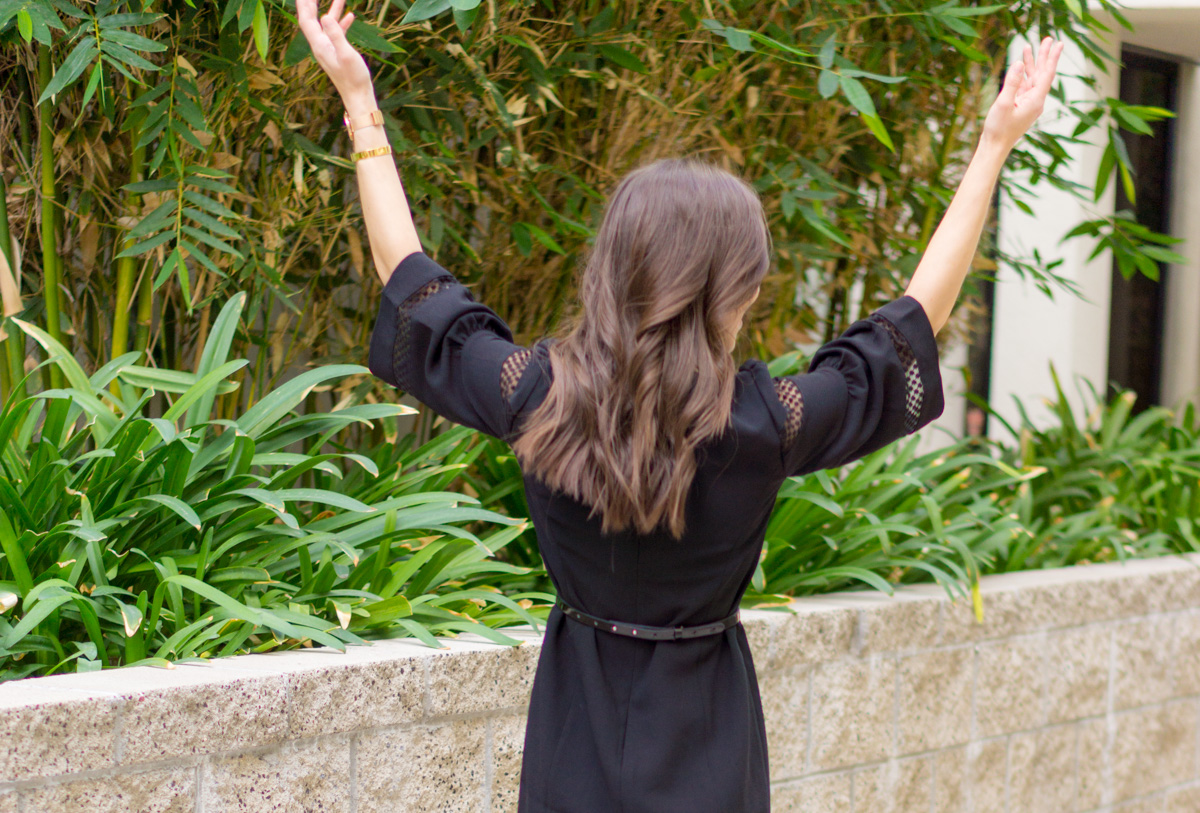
650, 633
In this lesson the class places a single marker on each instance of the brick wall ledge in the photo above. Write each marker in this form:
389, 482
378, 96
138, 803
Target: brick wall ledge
1079, 691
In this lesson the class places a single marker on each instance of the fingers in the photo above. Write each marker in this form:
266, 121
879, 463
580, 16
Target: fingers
336, 31
1012, 81
306, 12
1047, 64
1051, 66
310, 25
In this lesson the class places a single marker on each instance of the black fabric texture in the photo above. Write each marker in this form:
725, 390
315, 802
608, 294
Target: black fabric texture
617, 724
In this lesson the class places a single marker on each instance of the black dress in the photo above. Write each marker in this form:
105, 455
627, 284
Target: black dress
618, 724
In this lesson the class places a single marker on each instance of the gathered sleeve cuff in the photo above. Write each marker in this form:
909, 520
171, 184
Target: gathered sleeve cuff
877, 382
432, 339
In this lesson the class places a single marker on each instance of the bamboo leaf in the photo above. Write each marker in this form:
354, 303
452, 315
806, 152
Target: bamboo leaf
261, 34
621, 58
424, 10
72, 68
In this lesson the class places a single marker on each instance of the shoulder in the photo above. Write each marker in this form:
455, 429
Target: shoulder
761, 405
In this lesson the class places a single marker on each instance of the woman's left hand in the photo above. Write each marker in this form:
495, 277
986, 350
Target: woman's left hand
337, 57
1023, 96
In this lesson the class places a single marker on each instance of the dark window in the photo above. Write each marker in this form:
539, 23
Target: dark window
1135, 334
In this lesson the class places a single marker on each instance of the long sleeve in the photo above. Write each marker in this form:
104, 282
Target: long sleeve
872, 385
433, 340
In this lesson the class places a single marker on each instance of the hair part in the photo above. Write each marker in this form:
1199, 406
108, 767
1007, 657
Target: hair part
644, 375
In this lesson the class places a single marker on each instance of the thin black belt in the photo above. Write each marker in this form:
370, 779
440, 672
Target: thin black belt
646, 631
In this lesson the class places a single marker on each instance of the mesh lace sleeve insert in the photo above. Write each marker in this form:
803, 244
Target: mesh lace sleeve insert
914, 390
401, 358
511, 371
793, 401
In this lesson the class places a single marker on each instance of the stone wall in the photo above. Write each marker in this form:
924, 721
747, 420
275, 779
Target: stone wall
1079, 692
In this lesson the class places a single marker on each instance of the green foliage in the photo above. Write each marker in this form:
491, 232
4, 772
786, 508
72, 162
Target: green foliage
1117, 484
1111, 487
149, 513
129, 538
224, 165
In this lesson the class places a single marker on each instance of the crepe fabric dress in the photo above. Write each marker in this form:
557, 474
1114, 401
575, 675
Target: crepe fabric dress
622, 725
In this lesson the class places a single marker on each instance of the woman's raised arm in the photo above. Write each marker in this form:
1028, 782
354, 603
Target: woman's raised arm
947, 258
390, 229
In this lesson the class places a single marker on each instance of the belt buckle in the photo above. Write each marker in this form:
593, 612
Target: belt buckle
677, 632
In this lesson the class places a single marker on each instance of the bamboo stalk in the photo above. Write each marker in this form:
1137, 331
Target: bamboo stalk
25, 140
948, 143
145, 310
12, 360
51, 263
127, 266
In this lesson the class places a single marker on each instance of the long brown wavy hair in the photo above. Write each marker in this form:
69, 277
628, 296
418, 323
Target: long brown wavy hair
644, 374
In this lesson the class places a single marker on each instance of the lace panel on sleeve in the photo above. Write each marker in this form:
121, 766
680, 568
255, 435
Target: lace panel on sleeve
512, 369
793, 402
401, 358
914, 390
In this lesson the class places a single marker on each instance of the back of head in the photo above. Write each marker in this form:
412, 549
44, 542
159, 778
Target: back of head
645, 375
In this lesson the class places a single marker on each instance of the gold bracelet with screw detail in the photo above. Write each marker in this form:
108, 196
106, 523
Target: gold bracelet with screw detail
373, 118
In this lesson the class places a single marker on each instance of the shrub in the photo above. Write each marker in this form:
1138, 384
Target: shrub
129, 538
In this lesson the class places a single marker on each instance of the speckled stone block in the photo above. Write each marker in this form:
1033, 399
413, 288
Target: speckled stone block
817, 632
898, 786
1153, 804
1095, 757
905, 621
47, 732
758, 636
1008, 610
1178, 585
950, 780
423, 769
188, 720
1153, 749
1183, 800
311, 776
853, 704
508, 741
8, 802
1156, 585
1041, 770
784, 696
829, 793
1080, 598
1144, 651
154, 791
1029, 601
482, 678
987, 769
935, 700
347, 698
1010, 686
1187, 653
1077, 662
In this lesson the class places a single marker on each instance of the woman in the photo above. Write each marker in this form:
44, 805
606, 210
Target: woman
651, 464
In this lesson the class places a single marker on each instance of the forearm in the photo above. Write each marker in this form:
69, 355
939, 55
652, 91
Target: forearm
947, 259
390, 228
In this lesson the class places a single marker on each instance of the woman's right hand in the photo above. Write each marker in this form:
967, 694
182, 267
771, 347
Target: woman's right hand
1023, 96
337, 57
